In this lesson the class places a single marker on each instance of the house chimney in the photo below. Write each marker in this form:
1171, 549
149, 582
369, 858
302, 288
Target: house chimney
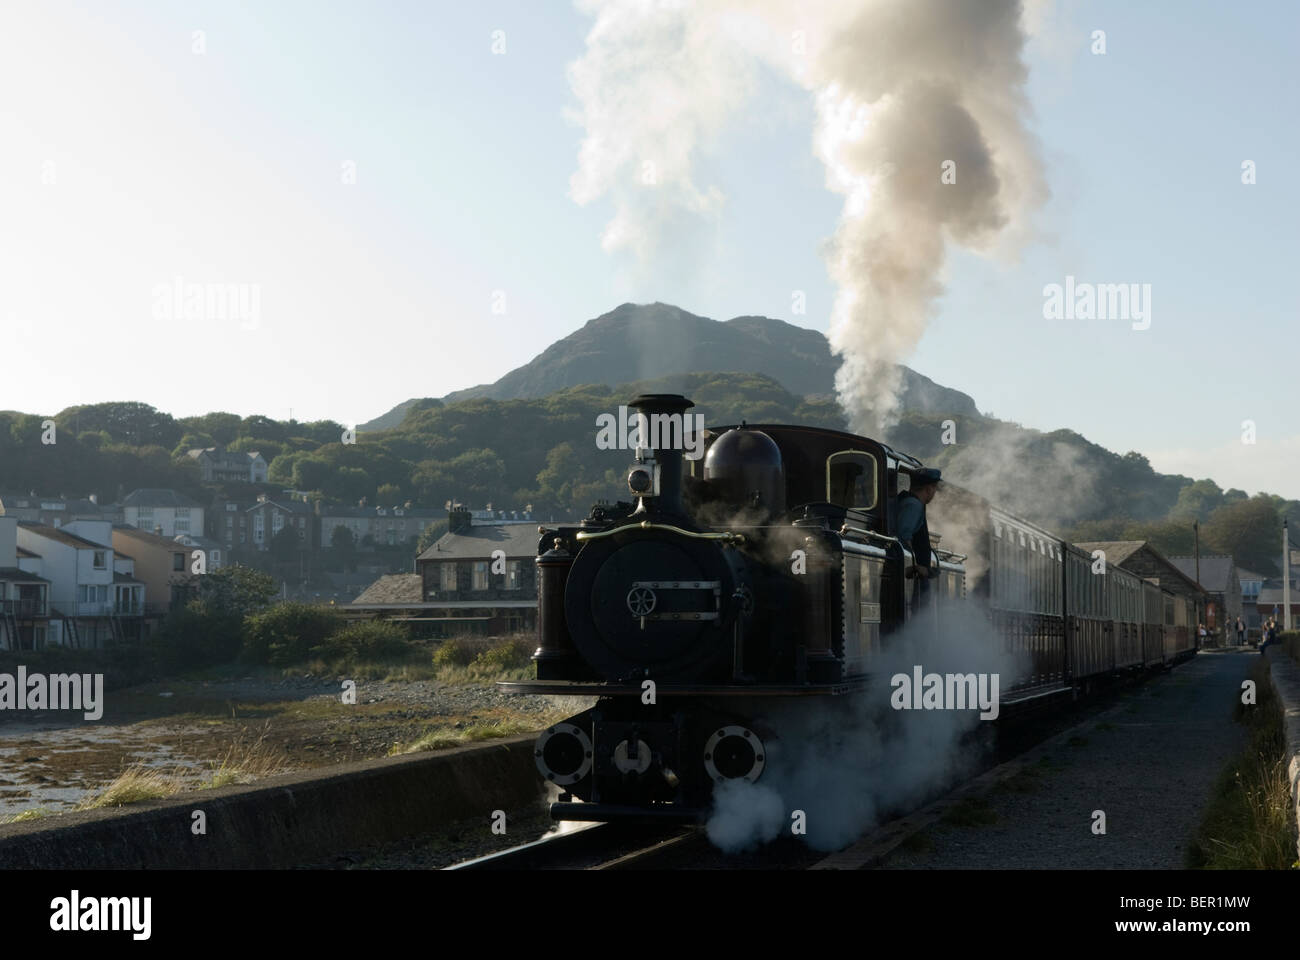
458, 519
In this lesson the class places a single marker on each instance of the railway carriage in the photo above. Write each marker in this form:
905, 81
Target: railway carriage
1153, 625
1124, 592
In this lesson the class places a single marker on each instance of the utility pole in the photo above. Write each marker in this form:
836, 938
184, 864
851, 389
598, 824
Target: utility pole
1196, 533
1196, 536
1286, 577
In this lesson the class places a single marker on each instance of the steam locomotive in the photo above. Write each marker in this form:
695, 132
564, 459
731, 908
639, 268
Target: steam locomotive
769, 570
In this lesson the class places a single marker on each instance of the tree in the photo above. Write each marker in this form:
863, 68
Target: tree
236, 589
344, 544
131, 423
285, 545
1197, 501
1248, 530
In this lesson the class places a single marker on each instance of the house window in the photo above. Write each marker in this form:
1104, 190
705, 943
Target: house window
448, 573
277, 522
230, 523
480, 575
258, 529
514, 575
178, 562
214, 559
100, 561
231, 508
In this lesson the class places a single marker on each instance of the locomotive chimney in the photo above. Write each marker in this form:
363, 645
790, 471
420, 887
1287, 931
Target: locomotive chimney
665, 431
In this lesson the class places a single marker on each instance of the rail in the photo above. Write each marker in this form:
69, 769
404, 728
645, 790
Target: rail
23, 608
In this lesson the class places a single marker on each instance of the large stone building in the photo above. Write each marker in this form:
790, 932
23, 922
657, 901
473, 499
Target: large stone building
483, 574
161, 511
216, 464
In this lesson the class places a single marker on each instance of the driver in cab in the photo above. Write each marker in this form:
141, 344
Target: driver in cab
912, 529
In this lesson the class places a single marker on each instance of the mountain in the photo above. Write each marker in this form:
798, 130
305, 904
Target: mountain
657, 341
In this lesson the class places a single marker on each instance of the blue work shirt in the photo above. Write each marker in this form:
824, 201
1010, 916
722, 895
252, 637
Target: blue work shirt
912, 529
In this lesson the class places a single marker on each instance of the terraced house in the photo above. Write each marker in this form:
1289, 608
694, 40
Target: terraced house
24, 594
164, 512
94, 597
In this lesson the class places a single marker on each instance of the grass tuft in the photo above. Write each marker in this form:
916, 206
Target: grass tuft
1248, 824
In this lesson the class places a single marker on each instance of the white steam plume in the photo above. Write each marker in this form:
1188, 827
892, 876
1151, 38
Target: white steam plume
900, 87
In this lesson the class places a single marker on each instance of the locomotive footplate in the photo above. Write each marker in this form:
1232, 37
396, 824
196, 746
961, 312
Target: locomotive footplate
578, 688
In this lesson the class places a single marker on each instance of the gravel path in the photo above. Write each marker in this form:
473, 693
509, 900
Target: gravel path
1149, 764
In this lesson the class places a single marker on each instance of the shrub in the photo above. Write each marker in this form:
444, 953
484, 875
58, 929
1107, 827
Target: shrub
196, 636
510, 653
454, 652
367, 640
289, 633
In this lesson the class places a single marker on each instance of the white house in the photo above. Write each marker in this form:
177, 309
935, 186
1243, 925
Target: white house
164, 512
24, 593
88, 594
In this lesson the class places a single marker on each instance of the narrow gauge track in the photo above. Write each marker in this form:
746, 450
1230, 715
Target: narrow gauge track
599, 846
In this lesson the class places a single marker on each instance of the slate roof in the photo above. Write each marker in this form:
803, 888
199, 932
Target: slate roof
13, 573
147, 538
1215, 571
61, 536
1117, 551
394, 588
157, 497
478, 542
1273, 595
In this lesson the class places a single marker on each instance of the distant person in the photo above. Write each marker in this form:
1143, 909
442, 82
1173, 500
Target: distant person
1241, 632
1200, 629
912, 528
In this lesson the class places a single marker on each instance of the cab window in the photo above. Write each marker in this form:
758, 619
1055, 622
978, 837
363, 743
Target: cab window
851, 480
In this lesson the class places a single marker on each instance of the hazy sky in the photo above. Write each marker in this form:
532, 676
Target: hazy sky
372, 179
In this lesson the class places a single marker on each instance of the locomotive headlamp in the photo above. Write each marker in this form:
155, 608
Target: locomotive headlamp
643, 479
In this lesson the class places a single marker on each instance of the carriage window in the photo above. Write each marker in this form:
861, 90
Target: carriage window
851, 479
